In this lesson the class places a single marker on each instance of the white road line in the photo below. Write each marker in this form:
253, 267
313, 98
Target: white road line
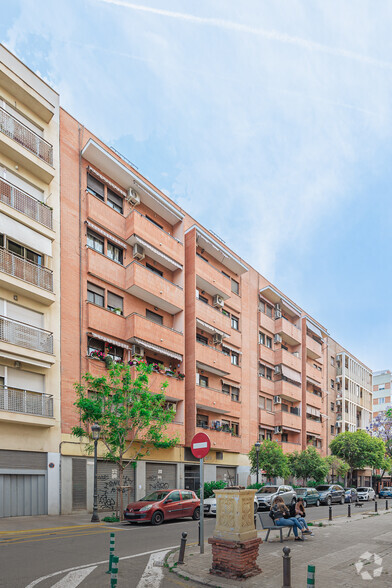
153, 574
96, 563
73, 579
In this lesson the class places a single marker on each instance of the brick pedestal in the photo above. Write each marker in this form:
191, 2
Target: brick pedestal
235, 560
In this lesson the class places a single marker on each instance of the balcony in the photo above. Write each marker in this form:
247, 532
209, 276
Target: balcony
23, 202
266, 385
24, 335
153, 288
211, 279
288, 421
313, 348
164, 243
222, 440
175, 391
313, 427
12, 129
289, 332
289, 447
26, 403
286, 358
266, 418
314, 373
213, 317
140, 327
288, 391
212, 360
266, 354
105, 215
31, 273
267, 323
314, 400
101, 266
106, 321
213, 400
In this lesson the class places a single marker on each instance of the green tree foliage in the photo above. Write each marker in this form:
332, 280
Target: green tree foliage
337, 467
358, 449
308, 464
209, 488
131, 417
271, 459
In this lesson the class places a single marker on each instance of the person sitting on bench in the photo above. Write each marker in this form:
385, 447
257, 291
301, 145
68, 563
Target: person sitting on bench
281, 517
300, 514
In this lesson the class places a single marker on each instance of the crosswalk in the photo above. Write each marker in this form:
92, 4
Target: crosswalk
74, 579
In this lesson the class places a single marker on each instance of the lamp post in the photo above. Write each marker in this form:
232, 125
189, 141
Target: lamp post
257, 446
95, 430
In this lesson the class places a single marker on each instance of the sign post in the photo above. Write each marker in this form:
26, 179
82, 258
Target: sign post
200, 447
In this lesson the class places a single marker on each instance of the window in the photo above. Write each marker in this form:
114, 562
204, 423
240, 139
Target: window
332, 360
235, 358
154, 269
201, 339
225, 389
202, 421
268, 374
234, 322
332, 406
261, 338
115, 352
332, 384
96, 187
268, 435
235, 287
94, 241
115, 303
203, 299
95, 347
235, 394
268, 404
226, 426
24, 252
200, 255
224, 311
268, 310
381, 387
115, 253
203, 381
269, 342
225, 351
95, 294
115, 201
154, 317
174, 496
186, 495
262, 370
332, 430
284, 407
235, 429
154, 221
381, 400
261, 435
262, 402
285, 437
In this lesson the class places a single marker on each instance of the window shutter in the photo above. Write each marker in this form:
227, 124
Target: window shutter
115, 301
96, 289
95, 185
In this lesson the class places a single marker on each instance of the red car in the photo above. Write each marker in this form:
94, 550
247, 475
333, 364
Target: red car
164, 505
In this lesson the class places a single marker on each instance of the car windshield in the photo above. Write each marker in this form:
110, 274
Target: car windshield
322, 487
300, 490
268, 490
363, 489
154, 496
348, 489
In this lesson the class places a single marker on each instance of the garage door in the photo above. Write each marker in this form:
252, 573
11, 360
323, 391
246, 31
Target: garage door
107, 483
228, 475
22, 495
160, 476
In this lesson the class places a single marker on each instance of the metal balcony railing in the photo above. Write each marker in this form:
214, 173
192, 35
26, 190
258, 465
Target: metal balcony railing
19, 267
13, 128
18, 333
23, 202
26, 402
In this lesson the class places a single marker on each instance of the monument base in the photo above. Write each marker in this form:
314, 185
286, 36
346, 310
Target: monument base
235, 560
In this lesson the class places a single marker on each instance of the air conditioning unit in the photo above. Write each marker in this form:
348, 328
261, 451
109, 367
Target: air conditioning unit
278, 312
338, 402
197, 379
296, 353
137, 351
277, 339
218, 301
171, 405
338, 424
133, 197
138, 251
217, 338
277, 400
277, 430
278, 369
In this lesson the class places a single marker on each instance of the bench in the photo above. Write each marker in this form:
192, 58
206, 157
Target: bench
270, 526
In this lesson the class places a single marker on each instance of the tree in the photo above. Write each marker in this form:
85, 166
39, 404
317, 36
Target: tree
308, 464
131, 417
358, 449
271, 459
337, 466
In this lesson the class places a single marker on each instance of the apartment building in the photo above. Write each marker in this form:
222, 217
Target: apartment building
381, 391
29, 292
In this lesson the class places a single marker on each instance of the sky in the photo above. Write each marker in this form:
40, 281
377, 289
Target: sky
268, 122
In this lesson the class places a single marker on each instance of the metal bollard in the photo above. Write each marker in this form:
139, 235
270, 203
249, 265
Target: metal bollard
113, 577
286, 568
386, 505
349, 510
330, 514
375, 506
311, 574
198, 533
182, 548
111, 551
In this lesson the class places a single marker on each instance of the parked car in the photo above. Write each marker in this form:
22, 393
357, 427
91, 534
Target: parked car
266, 494
309, 496
210, 505
351, 495
385, 492
164, 505
330, 493
366, 493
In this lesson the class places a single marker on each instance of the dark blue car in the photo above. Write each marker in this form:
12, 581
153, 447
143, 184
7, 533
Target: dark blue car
385, 492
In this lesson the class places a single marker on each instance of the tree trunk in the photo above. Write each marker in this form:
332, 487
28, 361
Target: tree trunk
121, 478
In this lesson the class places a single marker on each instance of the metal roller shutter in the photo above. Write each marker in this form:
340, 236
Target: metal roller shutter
107, 482
160, 476
28, 460
79, 483
228, 475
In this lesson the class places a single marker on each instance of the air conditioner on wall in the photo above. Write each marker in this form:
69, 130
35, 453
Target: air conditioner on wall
278, 312
338, 402
133, 197
217, 338
277, 400
278, 369
277, 430
218, 301
197, 379
277, 339
338, 424
137, 351
138, 251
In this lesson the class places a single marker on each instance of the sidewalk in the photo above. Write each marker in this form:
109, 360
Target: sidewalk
342, 552
15, 524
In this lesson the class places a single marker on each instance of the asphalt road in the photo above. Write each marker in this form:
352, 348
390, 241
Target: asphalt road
28, 556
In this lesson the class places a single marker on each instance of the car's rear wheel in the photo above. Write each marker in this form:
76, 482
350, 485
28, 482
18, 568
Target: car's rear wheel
293, 501
305, 504
255, 508
329, 501
157, 518
318, 502
196, 514
342, 500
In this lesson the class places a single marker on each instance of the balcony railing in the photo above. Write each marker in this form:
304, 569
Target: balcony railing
26, 402
23, 202
19, 267
13, 128
18, 333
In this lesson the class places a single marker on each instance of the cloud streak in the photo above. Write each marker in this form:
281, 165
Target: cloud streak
271, 35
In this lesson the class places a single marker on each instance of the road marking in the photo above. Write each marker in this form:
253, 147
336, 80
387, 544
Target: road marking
48, 529
153, 573
97, 563
73, 579
18, 542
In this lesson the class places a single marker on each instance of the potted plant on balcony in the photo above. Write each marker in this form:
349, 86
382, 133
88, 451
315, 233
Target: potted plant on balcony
181, 376
161, 368
108, 361
169, 371
96, 354
133, 361
155, 367
117, 310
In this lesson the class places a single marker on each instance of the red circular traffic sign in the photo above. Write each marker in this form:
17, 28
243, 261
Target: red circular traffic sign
200, 445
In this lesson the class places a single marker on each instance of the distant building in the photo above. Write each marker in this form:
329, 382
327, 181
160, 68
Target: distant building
381, 391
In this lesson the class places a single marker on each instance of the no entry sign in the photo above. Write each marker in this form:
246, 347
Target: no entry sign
200, 445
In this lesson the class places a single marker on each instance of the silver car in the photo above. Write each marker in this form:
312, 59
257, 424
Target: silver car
266, 495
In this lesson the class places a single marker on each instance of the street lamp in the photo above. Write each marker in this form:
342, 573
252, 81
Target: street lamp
95, 430
257, 446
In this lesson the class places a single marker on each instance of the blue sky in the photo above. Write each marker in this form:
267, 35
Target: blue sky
269, 122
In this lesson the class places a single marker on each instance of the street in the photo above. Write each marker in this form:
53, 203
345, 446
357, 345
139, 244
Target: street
68, 555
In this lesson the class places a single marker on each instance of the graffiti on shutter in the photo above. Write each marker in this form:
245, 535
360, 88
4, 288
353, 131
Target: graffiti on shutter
108, 482
160, 476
